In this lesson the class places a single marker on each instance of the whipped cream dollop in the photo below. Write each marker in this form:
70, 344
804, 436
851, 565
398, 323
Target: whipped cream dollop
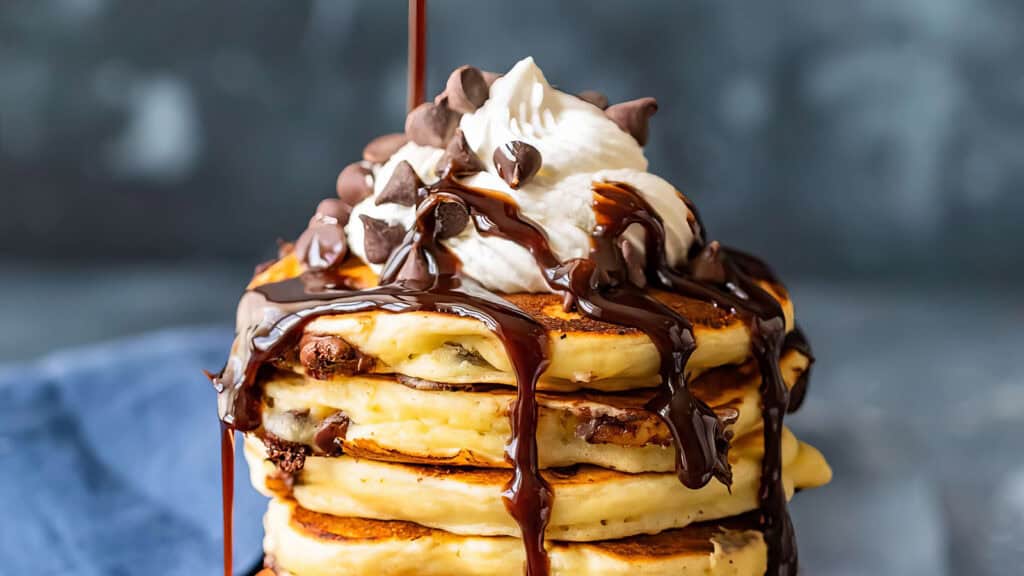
578, 144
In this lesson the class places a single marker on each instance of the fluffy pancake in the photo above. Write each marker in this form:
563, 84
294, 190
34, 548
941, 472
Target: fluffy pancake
304, 543
584, 353
418, 423
590, 503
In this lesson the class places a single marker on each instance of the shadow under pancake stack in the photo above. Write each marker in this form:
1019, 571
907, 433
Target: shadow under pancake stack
504, 347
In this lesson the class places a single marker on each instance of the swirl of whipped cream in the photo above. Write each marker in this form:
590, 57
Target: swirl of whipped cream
578, 145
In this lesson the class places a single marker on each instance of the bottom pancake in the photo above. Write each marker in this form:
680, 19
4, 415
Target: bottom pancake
303, 543
589, 503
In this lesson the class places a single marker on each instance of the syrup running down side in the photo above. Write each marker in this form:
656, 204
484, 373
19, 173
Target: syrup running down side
227, 479
422, 275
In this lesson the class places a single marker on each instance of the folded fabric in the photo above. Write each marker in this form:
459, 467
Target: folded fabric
110, 461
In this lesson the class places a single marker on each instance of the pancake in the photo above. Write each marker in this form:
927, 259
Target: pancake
303, 543
590, 503
421, 422
584, 353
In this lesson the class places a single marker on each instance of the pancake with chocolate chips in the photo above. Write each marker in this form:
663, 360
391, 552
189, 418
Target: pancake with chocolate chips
307, 543
455, 349
589, 503
415, 421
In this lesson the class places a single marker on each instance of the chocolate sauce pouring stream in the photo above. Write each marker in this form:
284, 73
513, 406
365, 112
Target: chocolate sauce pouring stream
416, 90
227, 478
600, 289
417, 52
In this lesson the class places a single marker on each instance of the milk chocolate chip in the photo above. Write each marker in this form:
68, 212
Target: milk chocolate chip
466, 90
289, 457
452, 218
431, 124
355, 183
459, 159
331, 211
321, 353
330, 434
383, 147
633, 117
380, 238
516, 162
322, 246
402, 187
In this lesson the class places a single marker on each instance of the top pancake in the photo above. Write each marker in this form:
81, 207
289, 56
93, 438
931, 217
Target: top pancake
584, 353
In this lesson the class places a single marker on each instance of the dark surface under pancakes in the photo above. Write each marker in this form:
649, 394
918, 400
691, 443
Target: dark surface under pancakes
695, 539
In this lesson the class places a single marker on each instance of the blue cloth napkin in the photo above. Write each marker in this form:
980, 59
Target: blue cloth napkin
110, 461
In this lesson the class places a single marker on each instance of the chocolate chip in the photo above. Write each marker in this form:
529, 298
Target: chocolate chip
330, 434
635, 264
452, 218
322, 246
459, 159
319, 353
289, 457
355, 183
633, 116
323, 356
380, 238
594, 97
431, 124
709, 265
490, 77
466, 90
383, 147
402, 187
331, 211
516, 162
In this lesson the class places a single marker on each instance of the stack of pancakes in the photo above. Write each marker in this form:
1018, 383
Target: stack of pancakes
383, 445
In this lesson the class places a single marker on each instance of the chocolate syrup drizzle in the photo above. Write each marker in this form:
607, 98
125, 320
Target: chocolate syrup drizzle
423, 275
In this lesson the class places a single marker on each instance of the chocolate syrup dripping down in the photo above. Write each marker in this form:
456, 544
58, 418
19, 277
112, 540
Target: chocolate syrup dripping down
420, 276
527, 496
743, 295
797, 340
227, 485
600, 289
417, 52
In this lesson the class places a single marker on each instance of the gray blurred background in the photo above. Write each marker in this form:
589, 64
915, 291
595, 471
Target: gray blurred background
872, 150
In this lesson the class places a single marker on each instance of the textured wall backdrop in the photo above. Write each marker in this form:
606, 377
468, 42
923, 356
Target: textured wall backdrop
834, 137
